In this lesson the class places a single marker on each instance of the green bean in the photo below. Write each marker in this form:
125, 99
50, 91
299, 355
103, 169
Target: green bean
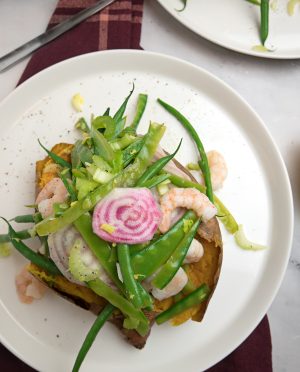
156, 167
203, 162
22, 235
152, 182
264, 20
126, 307
126, 178
90, 337
41, 261
193, 299
225, 216
57, 159
132, 289
170, 268
146, 262
26, 218
140, 109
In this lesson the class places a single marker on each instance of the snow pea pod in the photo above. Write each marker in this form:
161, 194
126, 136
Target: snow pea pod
153, 256
131, 286
117, 300
140, 109
203, 162
147, 301
170, 268
126, 178
193, 299
22, 235
90, 337
99, 247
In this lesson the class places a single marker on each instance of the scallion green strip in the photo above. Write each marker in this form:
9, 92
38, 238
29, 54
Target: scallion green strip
119, 114
68, 186
154, 181
156, 167
57, 159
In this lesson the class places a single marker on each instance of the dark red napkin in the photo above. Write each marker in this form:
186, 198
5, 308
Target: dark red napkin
119, 27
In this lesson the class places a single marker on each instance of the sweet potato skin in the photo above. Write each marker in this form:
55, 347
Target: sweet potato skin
207, 270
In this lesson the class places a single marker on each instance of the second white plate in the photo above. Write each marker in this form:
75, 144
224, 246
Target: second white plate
234, 24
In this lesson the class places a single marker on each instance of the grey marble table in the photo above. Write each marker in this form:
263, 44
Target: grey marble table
271, 87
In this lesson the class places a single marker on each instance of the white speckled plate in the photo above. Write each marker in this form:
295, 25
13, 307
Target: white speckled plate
48, 333
234, 24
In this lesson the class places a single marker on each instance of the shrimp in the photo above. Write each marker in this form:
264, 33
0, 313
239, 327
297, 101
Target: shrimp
53, 192
189, 198
175, 286
28, 287
218, 169
194, 253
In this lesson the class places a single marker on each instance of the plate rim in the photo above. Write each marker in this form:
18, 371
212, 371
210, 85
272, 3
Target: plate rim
247, 330
250, 52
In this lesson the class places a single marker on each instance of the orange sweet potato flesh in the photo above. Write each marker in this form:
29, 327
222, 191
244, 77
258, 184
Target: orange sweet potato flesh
207, 270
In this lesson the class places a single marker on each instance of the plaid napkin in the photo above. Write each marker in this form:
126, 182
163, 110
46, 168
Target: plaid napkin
119, 27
